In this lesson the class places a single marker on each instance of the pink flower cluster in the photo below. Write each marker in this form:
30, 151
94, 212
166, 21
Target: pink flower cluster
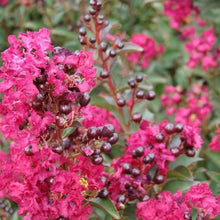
150, 50
190, 108
3, 2
200, 50
146, 158
45, 174
215, 143
177, 11
179, 207
180, 11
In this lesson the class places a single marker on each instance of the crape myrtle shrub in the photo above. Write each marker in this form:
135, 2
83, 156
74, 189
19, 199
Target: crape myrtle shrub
109, 110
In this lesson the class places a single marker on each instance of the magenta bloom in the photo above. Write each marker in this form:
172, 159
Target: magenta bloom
38, 92
179, 207
150, 50
199, 49
177, 11
215, 143
3, 2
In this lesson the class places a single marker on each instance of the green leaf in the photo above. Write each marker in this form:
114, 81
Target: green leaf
70, 130
181, 173
102, 103
174, 142
214, 156
129, 47
184, 161
129, 211
62, 32
33, 25
215, 176
106, 205
174, 185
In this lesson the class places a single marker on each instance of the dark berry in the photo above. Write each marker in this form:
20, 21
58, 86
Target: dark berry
159, 137
92, 132
104, 74
113, 139
169, 128
100, 22
133, 153
127, 167
150, 95
112, 53
131, 82
139, 78
92, 11
127, 184
92, 2
135, 172
159, 179
121, 102
178, 127
175, 151
108, 130
104, 180
140, 94
58, 149
97, 160
190, 152
84, 99
82, 31
82, 41
187, 215
40, 79
103, 193
92, 40
106, 147
144, 198
28, 150
37, 105
121, 199
40, 97
61, 120
96, 152
139, 151
137, 117
120, 45
149, 158
66, 143
101, 17
65, 108
104, 45
87, 18
99, 131
85, 138
98, 5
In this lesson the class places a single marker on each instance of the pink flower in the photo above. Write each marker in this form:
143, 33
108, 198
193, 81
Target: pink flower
3, 2
201, 196
177, 11
165, 206
215, 143
150, 50
199, 47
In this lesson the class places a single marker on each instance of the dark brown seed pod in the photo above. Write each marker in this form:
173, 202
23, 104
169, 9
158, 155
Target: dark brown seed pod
84, 99
137, 117
150, 95
113, 139
28, 150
